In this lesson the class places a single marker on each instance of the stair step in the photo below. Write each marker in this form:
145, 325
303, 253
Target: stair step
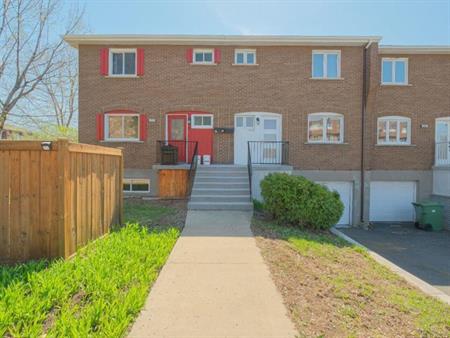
222, 179
220, 206
222, 173
221, 168
221, 185
222, 191
221, 198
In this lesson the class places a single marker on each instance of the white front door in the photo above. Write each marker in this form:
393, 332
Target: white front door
391, 201
257, 127
443, 141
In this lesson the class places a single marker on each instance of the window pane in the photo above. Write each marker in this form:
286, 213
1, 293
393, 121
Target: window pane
392, 131
270, 124
126, 187
381, 131
249, 121
117, 63
208, 57
115, 126
317, 65
404, 131
197, 120
207, 120
400, 75
140, 187
332, 66
315, 130
240, 121
387, 71
177, 129
130, 63
333, 130
198, 57
240, 58
131, 126
251, 58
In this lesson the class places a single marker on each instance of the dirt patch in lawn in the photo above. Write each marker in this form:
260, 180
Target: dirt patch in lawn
332, 289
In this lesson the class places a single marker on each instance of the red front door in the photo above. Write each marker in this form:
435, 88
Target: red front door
177, 134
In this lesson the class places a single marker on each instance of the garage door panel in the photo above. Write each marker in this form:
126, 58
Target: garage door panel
345, 191
391, 201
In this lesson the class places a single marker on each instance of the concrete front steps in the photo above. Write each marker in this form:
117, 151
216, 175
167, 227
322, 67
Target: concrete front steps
221, 187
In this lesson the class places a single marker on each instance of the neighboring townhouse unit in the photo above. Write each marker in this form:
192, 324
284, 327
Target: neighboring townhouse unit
370, 121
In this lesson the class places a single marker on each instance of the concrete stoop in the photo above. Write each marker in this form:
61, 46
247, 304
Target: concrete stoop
224, 187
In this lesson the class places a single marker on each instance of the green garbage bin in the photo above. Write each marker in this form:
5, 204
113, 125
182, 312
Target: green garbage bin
429, 215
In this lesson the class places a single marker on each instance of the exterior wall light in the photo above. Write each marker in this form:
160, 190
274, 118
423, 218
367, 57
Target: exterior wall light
46, 145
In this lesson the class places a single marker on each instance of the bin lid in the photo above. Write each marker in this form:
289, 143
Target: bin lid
429, 204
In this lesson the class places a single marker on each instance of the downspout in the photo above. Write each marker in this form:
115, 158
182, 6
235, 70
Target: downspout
363, 123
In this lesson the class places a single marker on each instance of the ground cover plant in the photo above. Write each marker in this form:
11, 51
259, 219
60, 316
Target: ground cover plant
333, 289
298, 201
101, 290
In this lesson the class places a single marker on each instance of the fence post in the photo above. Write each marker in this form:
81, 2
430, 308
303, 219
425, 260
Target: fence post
121, 220
64, 233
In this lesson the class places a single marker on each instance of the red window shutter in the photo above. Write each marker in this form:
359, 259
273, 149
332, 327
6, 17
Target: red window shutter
216, 55
143, 127
140, 61
189, 56
104, 58
100, 127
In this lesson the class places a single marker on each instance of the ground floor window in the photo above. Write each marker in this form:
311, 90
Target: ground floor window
325, 128
136, 185
122, 127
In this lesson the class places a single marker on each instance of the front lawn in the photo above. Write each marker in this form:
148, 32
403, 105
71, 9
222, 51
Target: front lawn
97, 293
333, 289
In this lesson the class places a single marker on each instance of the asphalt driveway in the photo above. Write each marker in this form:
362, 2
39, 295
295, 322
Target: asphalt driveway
421, 253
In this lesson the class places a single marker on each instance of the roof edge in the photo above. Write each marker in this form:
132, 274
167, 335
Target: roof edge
248, 40
393, 49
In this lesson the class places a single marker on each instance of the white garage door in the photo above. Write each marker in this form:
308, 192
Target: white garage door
345, 190
391, 201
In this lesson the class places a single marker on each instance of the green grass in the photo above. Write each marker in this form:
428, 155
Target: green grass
97, 293
360, 287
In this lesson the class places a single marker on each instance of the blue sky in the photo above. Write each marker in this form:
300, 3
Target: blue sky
399, 22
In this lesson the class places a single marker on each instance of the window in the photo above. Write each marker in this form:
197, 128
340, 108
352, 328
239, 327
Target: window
394, 130
325, 128
394, 71
201, 121
122, 127
122, 62
136, 185
245, 57
245, 121
326, 64
204, 56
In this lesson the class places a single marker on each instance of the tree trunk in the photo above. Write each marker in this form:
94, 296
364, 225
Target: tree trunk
3, 116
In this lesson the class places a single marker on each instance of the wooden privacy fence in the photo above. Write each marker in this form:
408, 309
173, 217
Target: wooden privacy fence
55, 201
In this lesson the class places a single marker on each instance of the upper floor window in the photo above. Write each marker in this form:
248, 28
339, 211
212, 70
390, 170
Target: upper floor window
394, 130
245, 57
203, 56
122, 127
122, 62
325, 128
326, 64
201, 121
394, 71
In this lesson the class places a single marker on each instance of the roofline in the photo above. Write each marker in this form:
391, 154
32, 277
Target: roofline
390, 49
235, 40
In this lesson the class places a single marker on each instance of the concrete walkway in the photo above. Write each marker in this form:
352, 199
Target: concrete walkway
214, 284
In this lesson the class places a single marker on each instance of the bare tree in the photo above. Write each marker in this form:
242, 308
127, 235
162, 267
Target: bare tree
31, 47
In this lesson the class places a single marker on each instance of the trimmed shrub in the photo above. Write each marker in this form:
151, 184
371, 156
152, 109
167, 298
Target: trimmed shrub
297, 201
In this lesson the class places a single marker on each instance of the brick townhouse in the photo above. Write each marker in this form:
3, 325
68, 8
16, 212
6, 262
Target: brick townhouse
370, 121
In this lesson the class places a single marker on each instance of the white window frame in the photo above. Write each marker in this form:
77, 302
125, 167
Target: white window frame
398, 119
203, 50
324, 116
325, 64
132, 181
195, 126
106, 124
123, 51
394, 60
245, 52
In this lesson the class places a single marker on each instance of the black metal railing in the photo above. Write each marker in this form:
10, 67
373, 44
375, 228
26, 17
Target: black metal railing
249, 168
175, 151
268, 152
193, 168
